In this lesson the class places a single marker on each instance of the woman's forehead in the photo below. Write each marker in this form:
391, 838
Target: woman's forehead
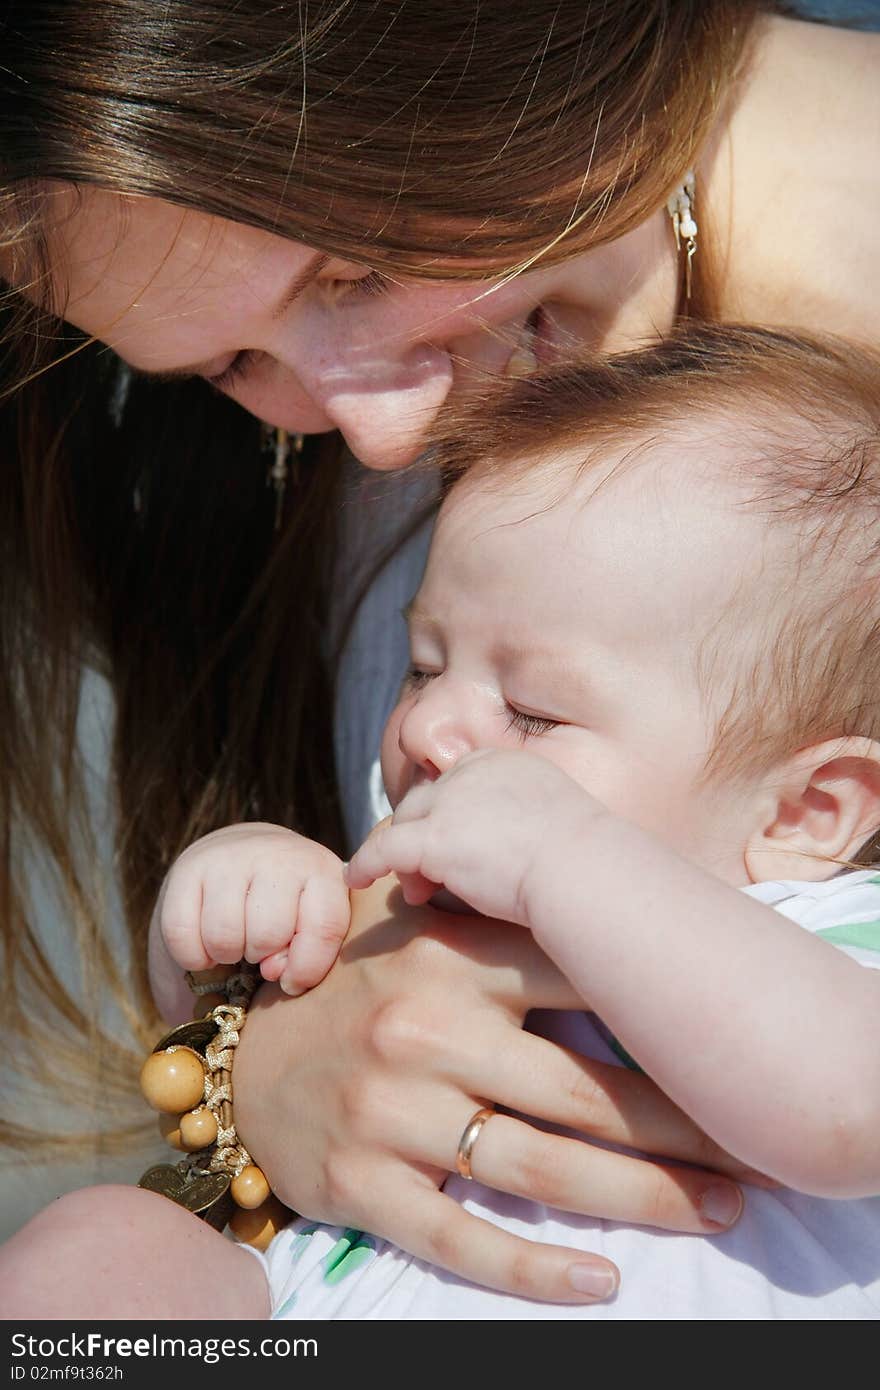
147, 243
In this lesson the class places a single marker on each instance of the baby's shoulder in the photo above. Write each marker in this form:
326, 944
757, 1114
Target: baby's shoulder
843, 910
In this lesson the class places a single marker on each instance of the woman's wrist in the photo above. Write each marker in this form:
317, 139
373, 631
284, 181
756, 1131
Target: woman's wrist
261, 1061
188, 1079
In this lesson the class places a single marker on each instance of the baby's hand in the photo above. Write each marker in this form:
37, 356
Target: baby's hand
486, 831
259, 892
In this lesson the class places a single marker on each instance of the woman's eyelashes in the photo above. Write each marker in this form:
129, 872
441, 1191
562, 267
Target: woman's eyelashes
237, 369
527, 725
343, 289
370, 285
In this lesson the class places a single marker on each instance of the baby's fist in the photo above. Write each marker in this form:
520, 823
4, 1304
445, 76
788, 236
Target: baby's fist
258, 892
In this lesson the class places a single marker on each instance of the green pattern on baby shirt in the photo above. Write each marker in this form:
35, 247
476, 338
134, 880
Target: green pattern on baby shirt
863, 935
352, 1250
298, 1247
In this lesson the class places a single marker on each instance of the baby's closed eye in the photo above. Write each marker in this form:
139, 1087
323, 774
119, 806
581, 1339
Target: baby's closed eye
529, 725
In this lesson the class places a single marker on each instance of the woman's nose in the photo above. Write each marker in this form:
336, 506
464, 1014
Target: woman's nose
381, 399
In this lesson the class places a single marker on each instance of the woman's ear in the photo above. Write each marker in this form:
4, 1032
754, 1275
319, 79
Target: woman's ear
816, 811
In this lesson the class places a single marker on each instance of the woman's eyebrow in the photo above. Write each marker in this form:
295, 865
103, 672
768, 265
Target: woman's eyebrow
298, 284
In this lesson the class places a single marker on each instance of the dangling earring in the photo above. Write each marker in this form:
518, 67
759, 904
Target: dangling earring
680, 206
283, 447
119, 393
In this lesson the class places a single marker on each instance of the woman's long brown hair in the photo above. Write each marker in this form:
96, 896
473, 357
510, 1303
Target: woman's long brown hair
136, 536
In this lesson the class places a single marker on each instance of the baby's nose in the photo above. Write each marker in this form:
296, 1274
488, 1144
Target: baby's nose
433, 739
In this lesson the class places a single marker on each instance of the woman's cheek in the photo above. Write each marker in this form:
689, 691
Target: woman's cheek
273, 393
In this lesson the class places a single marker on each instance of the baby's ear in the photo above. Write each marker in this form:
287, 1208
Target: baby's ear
817, 810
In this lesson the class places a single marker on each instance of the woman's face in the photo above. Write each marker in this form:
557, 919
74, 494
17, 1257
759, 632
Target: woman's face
310, 342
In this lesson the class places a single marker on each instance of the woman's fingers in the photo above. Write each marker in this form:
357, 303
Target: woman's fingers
434, 1228
571, 1175
609, 1103
513, 1156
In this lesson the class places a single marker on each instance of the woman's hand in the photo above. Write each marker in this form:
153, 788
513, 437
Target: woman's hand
354, 1097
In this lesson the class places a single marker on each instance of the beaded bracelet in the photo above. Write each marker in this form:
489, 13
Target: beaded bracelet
188, 1079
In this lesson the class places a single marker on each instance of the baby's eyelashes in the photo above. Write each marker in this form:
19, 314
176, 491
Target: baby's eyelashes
529, 725
416, 678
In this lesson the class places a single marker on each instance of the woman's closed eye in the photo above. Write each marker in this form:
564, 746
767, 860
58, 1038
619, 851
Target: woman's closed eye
368, 286
362, 283
237, 369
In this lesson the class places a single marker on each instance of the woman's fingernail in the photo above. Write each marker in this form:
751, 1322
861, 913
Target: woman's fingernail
722, 1204
598, 1280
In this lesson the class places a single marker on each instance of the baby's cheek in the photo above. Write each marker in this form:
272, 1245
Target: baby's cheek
397, 770
703, 832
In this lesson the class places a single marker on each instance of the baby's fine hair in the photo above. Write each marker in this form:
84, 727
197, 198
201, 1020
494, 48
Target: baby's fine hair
804, 416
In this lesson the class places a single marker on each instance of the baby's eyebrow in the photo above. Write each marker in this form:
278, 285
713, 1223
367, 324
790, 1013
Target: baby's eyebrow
414, 613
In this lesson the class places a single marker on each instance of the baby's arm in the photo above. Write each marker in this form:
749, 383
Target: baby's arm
766, 1035
253, 891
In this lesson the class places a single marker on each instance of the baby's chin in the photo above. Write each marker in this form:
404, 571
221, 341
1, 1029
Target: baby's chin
448, 902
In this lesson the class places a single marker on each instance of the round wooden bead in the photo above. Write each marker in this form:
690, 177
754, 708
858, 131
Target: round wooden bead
206, 1002
250, 1188
256, 1227
173, 1081
169, 1128
198, 1129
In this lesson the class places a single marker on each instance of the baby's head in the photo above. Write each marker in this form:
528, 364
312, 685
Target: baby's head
662, 573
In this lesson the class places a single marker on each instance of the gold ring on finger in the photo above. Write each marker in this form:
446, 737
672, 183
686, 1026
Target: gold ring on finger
468, 1140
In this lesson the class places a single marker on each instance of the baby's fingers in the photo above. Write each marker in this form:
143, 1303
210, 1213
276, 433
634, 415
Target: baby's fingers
417, 889
180, 921
223, 916
271, 908
392, 847
272, 967
322, 922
